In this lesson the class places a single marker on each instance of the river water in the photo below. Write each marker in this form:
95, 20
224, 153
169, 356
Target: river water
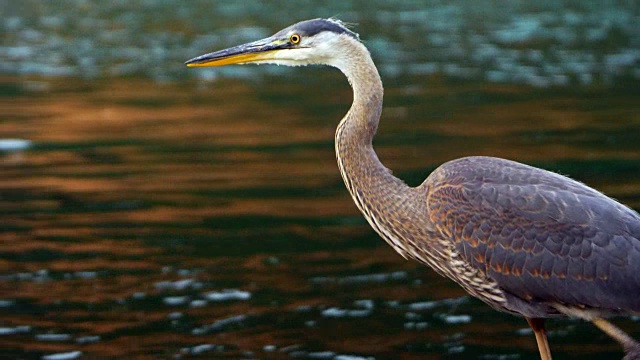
155, 211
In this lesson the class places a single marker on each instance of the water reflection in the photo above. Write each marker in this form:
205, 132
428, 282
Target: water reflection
175, 222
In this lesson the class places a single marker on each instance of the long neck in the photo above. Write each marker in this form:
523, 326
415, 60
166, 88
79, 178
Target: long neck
382, 198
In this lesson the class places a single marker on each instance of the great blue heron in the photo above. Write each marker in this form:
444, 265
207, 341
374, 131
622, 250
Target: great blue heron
523, 240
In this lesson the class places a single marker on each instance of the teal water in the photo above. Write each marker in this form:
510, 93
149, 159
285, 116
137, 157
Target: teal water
541, 44
166, 212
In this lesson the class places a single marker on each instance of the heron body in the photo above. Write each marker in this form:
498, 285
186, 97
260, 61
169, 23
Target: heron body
523, 240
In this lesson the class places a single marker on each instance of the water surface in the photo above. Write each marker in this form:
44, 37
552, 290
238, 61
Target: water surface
181, 213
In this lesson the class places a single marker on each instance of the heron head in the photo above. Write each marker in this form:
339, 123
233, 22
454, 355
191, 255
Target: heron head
308, 42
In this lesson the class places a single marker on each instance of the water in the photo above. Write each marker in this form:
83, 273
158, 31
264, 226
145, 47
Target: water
541, 44
168, 212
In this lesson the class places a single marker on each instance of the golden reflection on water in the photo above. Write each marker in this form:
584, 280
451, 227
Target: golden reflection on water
132, 184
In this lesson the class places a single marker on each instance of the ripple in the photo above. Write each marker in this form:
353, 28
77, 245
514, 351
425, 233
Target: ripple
199, 349
227, 294
366, 303
175, 300
138, 295
37, 276
88, 339
220, 324
321, 355
425, 305
63, 356
327, 355
85, 274
178, 285
421, 325
360, 279
175, 315
524, 331
22, 329
500, 356
7, 303
197, 303
352, 357
11, 145
335, 312
455, 349
53, 337
456, 319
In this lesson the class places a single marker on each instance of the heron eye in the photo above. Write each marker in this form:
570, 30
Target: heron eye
295, 38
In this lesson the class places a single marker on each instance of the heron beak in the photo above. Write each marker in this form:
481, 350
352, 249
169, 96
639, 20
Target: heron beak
242, 54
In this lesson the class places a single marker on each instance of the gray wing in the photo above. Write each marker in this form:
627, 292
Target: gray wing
539, 235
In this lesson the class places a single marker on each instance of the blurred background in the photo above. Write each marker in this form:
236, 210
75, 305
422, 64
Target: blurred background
155, 211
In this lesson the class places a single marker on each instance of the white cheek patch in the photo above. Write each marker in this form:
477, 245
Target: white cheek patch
292, 57
324, 48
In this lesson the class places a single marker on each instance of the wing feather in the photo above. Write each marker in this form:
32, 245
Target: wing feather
538, 234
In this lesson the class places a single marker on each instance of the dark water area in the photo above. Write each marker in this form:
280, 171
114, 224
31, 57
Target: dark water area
183, 220
169, 212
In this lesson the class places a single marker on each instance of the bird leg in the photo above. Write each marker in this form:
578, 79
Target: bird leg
631, 347
537, 324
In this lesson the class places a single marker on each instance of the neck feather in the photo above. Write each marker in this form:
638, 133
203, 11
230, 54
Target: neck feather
380, 196
364, 115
